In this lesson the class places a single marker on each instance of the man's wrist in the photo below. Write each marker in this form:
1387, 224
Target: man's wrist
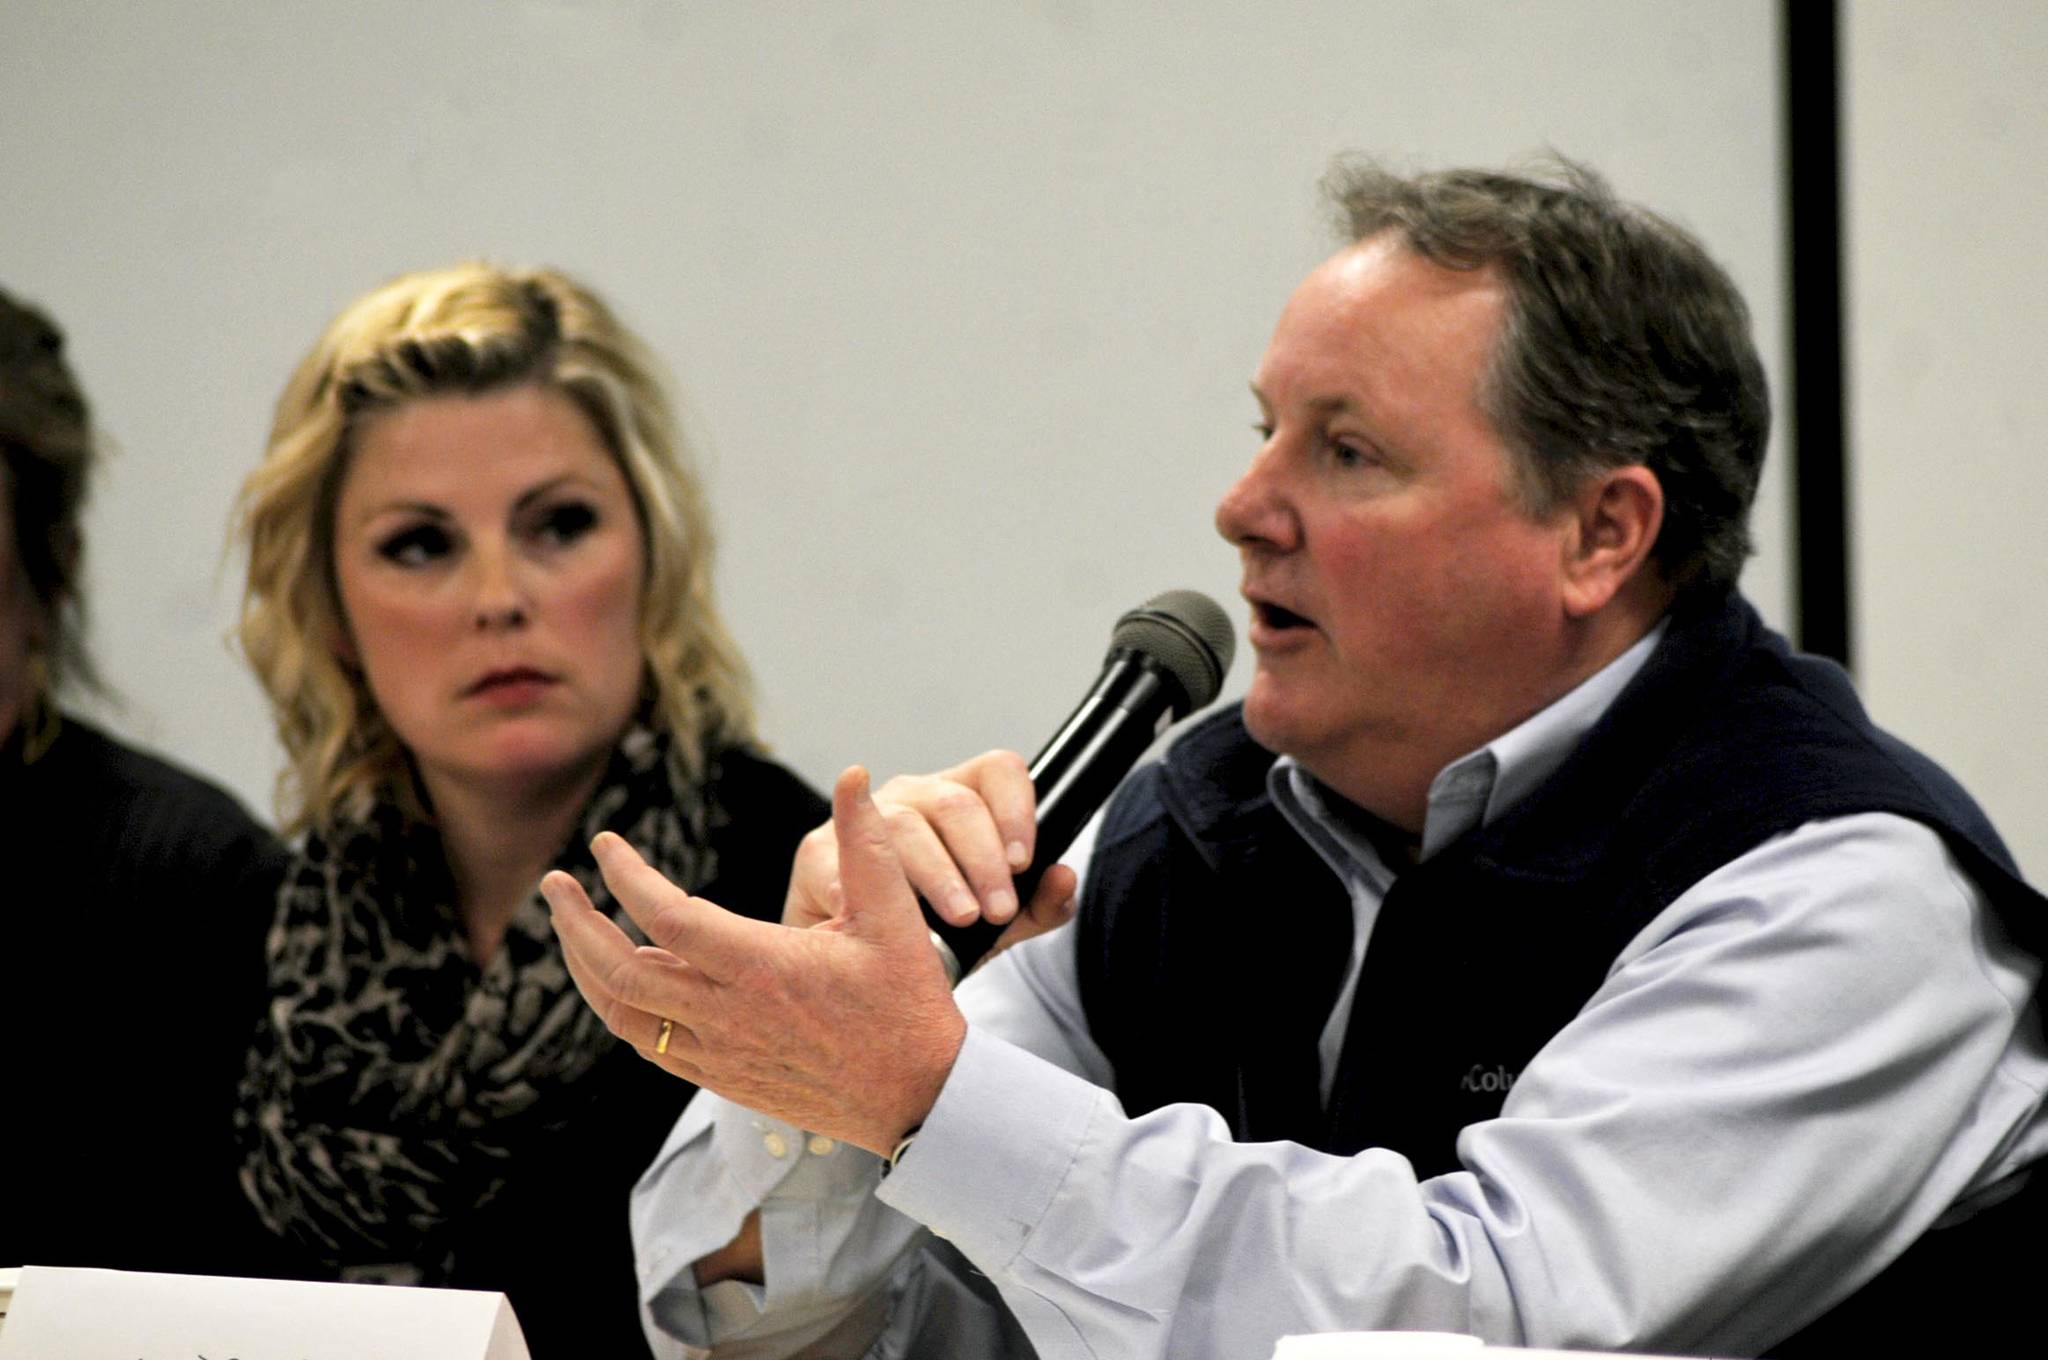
902, 1146
950, 1035
878, 1105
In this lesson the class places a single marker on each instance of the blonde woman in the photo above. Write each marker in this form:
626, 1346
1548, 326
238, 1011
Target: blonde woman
479, 599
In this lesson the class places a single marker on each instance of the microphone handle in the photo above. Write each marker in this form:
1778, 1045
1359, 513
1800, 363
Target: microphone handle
1073, 776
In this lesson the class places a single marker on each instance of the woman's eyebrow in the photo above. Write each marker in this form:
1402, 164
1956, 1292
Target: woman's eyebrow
424, 509
540, 489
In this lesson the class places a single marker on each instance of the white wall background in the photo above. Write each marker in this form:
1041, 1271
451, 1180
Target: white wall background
1946, 120
963, 297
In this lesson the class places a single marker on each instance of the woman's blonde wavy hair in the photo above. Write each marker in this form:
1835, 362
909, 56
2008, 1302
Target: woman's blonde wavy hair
471, 329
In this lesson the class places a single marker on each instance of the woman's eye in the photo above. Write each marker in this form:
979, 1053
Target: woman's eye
414, 546
567, 522
1263, 429
1350, 455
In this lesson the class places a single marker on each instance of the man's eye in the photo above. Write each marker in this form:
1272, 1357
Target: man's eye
1350, 455
414, 546
1263, 429
567, 522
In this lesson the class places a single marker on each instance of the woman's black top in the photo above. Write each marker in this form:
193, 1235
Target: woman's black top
134, 901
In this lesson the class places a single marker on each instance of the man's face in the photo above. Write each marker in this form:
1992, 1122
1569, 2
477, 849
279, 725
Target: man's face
1405, 608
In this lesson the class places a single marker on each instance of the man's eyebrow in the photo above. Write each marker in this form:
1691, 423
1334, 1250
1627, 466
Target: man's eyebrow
1330, 405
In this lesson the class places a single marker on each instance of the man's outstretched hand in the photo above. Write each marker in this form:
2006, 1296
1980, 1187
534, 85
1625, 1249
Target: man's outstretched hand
847, 1028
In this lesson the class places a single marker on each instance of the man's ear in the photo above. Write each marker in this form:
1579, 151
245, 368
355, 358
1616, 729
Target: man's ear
1615, 518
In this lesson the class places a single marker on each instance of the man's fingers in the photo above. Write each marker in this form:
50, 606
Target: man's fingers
682, 1058
973, 841
710, 937
633, 988
1050, 907
1053, 903
814, 894
591, 945
667, 1042
619, 980
963, 834
656, 905
869, 873
931, 866
1004, 782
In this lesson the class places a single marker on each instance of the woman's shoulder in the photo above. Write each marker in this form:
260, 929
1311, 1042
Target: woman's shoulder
152, 797
84, 755
144, 824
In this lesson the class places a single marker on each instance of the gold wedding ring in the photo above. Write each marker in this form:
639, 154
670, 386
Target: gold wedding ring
668, 1029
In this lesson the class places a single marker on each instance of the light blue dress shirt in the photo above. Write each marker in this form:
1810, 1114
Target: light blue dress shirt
1810, 1057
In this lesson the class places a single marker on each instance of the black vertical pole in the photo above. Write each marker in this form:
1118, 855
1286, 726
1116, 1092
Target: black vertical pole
1812, 57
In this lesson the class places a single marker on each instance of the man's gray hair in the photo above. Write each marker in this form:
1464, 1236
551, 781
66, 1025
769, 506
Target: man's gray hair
1624, 343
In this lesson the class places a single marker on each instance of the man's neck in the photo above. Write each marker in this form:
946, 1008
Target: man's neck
1392, 782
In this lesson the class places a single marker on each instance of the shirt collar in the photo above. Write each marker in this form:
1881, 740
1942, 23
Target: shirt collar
1472, 791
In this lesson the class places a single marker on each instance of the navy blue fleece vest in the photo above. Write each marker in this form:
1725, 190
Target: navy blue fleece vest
1215, 939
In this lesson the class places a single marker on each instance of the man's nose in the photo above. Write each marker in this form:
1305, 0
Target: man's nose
1257, 511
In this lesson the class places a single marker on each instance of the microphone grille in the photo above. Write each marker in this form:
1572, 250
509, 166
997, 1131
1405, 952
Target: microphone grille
1187, 635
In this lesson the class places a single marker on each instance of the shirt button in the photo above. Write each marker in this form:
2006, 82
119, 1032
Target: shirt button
820, 1145
777, 1145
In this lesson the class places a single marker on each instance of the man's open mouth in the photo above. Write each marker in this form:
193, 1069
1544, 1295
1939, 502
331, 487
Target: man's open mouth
1275, 616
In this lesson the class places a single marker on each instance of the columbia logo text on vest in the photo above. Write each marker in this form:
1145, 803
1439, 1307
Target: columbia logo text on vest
1480, 1078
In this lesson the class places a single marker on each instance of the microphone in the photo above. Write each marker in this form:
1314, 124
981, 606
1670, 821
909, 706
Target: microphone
1166, 659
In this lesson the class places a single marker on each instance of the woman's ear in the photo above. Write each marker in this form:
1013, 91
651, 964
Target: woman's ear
1616, 517
341, 644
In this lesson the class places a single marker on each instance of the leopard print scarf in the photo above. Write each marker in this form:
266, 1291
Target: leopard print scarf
393, 1082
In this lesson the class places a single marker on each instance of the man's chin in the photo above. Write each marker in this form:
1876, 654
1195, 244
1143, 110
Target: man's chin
1315, 738
1269, 723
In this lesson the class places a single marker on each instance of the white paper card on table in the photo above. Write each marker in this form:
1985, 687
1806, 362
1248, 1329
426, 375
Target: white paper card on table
1423, 1346
77, 1314
1379, 1346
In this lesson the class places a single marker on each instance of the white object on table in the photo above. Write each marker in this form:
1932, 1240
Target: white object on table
77, 1314
1378, 1346
1418, 1346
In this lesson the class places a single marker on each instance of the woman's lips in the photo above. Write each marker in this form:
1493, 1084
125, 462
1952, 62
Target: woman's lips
512, 686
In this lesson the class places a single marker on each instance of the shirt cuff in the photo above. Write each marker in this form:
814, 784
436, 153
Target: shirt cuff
721, 1162
994, 1150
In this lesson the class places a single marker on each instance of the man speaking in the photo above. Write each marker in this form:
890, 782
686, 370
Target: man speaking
1542, 950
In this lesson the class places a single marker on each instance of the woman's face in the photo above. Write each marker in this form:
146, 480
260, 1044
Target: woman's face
489, 560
